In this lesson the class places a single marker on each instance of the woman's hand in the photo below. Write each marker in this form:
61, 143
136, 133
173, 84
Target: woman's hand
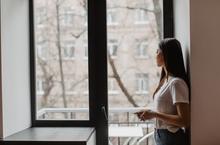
146, 115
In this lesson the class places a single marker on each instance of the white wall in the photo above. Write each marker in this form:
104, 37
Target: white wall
15, 66
202, 45
205, 71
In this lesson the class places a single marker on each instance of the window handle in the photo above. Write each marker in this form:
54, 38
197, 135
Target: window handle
104, 112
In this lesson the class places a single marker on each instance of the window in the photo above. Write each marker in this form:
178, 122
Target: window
112, 89
67, 16
59, 67
120, 38
41, 50
68, 49
41, 86
112, 17
113, 47
141, 17
142, 47
86, 87
85, 46
41, 16
142, 83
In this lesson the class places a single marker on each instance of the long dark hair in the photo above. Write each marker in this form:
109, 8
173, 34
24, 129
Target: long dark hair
173, 58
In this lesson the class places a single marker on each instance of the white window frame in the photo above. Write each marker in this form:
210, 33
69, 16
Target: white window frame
86, 51
112, 17
113, 44
86, 87
68, 46
142, 83
141, 17
41, 16
39, 86
67, 17
42, 50
85, 14
141, 51
112, 89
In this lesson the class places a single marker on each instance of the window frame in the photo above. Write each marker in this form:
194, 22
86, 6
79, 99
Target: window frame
141, 50
111, 18
142, 80
97, 59
67, 18
113, 48
68, 46
141, 17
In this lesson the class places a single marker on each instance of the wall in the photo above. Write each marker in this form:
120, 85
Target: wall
15, 66
201, 44
205, 70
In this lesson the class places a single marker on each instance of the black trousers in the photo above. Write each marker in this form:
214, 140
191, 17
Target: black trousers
165, 137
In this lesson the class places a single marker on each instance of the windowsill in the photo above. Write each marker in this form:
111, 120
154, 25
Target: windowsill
141, 23
112, 24
64, 135
68, 58
113, 56
71, 93
113, 92
141, 57
142, 92
85, 58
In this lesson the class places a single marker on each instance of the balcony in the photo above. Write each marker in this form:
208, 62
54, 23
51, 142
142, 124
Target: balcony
121, 119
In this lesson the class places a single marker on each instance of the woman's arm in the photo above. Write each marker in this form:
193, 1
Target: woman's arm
182, 119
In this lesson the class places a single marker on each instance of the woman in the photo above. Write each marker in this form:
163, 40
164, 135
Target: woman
171, 98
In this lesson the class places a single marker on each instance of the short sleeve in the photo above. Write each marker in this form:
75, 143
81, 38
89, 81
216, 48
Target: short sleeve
179, 91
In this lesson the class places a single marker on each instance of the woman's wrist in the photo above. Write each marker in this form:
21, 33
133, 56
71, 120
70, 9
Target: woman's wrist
155, 114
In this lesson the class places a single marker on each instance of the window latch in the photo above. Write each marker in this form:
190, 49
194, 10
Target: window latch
104, 112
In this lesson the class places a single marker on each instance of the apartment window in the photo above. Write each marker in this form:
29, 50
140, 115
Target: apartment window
86, 87
112, 86
41, 86
42, 50
141, 17
67, 16
112, 17
113, 47
142, 83
41, 16
85, 46
141, 51
85, 18
68, 48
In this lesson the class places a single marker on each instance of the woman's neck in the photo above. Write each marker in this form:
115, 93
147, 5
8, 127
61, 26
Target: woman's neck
166, 73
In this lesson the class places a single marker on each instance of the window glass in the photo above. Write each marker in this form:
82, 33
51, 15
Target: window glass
61, 70
132, 69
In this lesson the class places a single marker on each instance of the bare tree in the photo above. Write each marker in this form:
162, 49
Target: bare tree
49, 78
58, 44
120, 83
157, 12
48, 82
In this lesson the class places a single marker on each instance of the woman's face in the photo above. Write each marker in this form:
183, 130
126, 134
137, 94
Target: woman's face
159, 58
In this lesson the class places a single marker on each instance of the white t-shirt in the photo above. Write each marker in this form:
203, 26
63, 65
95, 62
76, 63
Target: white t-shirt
175, 90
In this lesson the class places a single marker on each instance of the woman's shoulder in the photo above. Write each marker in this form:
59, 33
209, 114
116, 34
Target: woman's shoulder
176, 81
